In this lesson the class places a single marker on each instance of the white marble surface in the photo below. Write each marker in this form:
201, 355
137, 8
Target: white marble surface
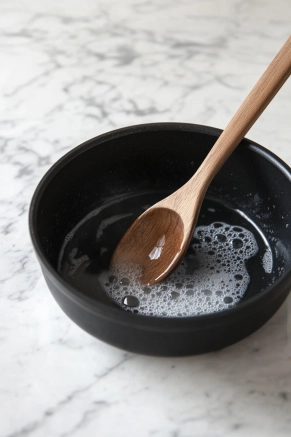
71, 70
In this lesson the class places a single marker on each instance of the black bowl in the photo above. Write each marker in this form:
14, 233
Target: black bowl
163, 156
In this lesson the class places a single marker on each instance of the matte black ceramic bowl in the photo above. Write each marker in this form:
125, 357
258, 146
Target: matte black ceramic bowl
162, 157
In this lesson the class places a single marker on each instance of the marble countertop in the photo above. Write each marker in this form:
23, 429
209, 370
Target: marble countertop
71, 70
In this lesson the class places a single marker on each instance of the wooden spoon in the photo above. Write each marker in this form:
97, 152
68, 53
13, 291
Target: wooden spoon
158, 239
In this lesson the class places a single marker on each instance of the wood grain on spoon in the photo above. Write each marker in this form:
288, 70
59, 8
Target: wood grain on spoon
158, 239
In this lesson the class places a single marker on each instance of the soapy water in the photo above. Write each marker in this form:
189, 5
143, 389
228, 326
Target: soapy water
212, 276
223, 264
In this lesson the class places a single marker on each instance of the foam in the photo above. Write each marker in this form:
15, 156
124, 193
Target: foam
105, 223
76, 263
211, 278
267, 261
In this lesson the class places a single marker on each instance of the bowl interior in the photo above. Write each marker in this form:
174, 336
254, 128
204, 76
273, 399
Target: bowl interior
160, 158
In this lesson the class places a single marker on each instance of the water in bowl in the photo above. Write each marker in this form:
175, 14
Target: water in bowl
225, 257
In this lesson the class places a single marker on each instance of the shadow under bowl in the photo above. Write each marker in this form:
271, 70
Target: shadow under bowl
161, 157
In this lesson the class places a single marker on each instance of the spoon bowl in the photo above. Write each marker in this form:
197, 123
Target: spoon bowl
136, 249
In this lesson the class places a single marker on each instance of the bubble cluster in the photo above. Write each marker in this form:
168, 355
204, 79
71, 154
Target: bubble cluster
267, 261
212, 277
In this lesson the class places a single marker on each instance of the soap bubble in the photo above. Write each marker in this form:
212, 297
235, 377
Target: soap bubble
211, 278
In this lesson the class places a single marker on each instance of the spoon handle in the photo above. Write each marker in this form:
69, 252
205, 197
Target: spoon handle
258, 99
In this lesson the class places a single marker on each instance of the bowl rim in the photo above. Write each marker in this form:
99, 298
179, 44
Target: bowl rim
125, 317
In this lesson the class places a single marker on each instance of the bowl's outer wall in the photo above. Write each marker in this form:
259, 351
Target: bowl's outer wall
162, 341
161, 156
